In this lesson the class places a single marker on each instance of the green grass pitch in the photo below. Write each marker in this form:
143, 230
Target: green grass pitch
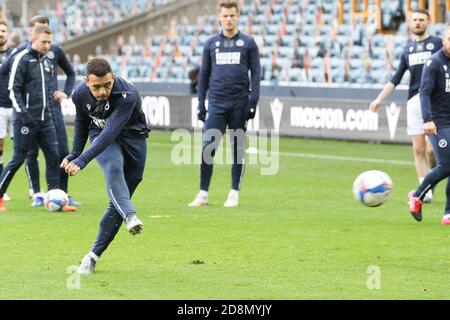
296, 235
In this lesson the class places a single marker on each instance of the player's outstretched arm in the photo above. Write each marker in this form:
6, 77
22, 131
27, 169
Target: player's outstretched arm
387, 90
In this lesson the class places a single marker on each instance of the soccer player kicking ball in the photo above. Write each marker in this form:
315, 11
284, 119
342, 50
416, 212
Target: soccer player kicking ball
227, 59
415, 54
435, 102
108, 110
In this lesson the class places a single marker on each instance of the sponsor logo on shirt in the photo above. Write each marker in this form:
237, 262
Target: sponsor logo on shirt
228, 58
419, 58
98, 122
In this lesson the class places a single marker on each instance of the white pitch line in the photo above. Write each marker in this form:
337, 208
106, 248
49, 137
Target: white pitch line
317, 156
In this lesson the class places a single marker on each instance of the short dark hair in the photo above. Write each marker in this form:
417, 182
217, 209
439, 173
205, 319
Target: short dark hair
3, 23
39, 19
228, 4
41, 29
422, 11
99, 67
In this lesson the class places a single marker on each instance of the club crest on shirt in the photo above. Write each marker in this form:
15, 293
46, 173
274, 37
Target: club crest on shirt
25, 130
442, 143
51, 55
240, 43
47, 66
430, 46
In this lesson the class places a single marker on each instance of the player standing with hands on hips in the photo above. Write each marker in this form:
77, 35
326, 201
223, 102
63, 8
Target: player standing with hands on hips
413, 58
224, 74
109, 112
435, 102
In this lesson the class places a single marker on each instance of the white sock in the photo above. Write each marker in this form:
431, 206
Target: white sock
93, 256
203, 194
234, 194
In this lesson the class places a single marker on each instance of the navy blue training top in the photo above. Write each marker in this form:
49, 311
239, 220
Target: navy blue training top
5, 101
120, 116
225, 69
435, 90
413, 58
57, 57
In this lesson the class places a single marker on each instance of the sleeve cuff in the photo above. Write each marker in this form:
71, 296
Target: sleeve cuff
80, 163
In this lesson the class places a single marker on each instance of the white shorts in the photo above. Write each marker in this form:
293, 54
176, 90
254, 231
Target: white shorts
6, 126
414, 120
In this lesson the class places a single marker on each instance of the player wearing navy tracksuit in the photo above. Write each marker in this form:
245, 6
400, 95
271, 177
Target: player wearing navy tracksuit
414, 56
435, 102
109, 112
57, 57
233, 97
29, 87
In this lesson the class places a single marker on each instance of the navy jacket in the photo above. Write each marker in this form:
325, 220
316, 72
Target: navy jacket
435, 90
225, 69
121, 116
29, 84
57, 57
5, 102
413, 58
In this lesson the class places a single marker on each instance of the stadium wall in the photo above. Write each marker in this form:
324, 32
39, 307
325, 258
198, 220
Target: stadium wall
302, 111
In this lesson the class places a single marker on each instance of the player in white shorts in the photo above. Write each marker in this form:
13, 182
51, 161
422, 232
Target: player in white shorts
5, 102
414, 56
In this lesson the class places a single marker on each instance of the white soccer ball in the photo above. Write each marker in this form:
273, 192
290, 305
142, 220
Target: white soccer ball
372, 188
55, 200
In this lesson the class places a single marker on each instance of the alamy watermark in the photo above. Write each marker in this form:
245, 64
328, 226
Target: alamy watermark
235, 146
374, 280
74, 280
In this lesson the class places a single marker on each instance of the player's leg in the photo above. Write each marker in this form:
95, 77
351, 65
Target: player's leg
237, 125
63, 148
431, 159
134, 154
213, 131
23, 140
32, 171
109, 226
3, 131
48, 143
446, 217
112, 163
415, 130
441, 148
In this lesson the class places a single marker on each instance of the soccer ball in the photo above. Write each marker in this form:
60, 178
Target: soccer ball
372, 188
55, 200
